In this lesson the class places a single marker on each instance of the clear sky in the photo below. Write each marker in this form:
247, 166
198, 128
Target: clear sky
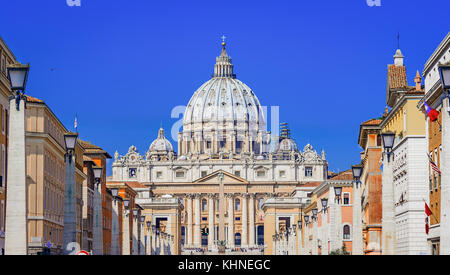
123, 65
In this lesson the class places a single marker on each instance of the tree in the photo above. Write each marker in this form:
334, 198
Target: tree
341, 251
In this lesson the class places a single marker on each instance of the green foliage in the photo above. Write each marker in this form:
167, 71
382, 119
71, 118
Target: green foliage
341, 251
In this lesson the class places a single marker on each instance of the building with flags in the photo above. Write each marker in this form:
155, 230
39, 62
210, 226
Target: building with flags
437, 122
408, 166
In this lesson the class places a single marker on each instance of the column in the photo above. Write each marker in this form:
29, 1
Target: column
445, 180
148, 243
332, 227
357, 244
339, 230
197, 215
70, 211
97, 231
244, 241
211, 228
325, 232
153, 241
252, 221
135, 235
315, 242
16, 235
142, 239
189, 220
126, 250
115, 227
230, 220
388, 220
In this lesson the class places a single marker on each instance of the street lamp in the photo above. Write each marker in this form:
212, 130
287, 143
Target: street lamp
388, 142
115, 192
357, 172
18, 76
70, 140
324, 202
306, 217
337, 193
300, 223
98, 171
70, 226
444, 72
314, 212
126, 203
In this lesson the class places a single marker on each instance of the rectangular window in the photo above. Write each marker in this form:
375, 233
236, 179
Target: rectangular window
346, 198
208, 144
159, 175
282, 174
261, 173
179, 174
203, 174
308, 172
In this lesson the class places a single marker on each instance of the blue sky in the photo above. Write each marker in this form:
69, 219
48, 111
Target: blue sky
123, 65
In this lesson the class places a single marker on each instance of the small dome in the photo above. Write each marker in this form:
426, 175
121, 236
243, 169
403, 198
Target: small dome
287, 144
161, 144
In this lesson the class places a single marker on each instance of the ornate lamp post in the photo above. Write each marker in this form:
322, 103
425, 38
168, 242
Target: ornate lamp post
16, 238
357, 246
444, 71
338, 219
70, 207
324, 203
98, 223
388, 221
126, 249
115, 222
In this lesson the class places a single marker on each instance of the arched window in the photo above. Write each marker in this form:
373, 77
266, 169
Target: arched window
237, 239
346, 232
204, 205
237, 205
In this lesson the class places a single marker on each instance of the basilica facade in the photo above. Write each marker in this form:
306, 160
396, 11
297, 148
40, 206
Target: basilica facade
217, 188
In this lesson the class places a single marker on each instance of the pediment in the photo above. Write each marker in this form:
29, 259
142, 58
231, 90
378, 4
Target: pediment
228, 178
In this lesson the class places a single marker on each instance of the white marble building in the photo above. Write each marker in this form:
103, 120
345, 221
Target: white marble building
224, 129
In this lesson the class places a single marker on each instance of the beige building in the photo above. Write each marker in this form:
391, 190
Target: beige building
45, 152
6, 58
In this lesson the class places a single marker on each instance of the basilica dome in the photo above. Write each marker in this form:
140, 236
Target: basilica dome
223, 98
161, 144
287, 144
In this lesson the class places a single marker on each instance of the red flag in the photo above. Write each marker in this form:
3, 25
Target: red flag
427, 210
427, 227
431, 113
